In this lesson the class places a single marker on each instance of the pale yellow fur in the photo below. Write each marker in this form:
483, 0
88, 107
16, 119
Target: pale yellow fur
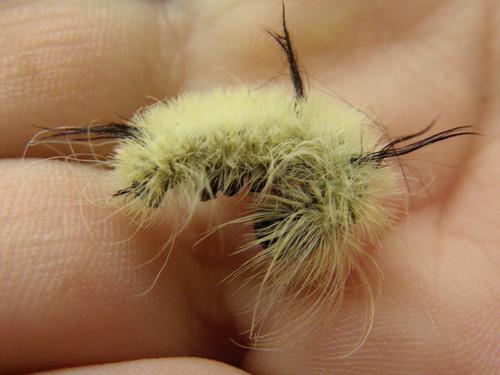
315, 208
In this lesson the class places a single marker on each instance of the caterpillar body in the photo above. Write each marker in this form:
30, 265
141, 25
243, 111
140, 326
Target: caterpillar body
319, 173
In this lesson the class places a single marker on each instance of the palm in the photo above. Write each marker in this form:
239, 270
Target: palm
67, 295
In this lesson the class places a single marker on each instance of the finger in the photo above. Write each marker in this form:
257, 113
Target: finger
437, 312
72, 63
166, 366
73, 270
474, 206
143, 49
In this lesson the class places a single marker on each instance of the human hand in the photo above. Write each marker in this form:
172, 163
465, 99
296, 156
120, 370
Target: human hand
68, 274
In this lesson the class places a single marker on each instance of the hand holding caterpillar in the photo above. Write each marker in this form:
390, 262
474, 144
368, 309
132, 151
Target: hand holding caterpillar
318, 171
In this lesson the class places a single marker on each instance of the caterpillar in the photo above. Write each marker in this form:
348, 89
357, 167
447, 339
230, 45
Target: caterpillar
321, 176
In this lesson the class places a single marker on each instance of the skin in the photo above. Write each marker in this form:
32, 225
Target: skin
68, 262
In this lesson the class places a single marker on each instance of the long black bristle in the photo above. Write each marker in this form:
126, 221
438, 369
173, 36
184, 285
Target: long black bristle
390, 151
285, 43
92, 133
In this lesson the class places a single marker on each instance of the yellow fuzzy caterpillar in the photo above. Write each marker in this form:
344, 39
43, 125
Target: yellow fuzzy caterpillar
319, 173
314, 200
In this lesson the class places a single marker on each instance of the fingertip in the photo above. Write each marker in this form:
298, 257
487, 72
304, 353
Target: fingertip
166, 366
